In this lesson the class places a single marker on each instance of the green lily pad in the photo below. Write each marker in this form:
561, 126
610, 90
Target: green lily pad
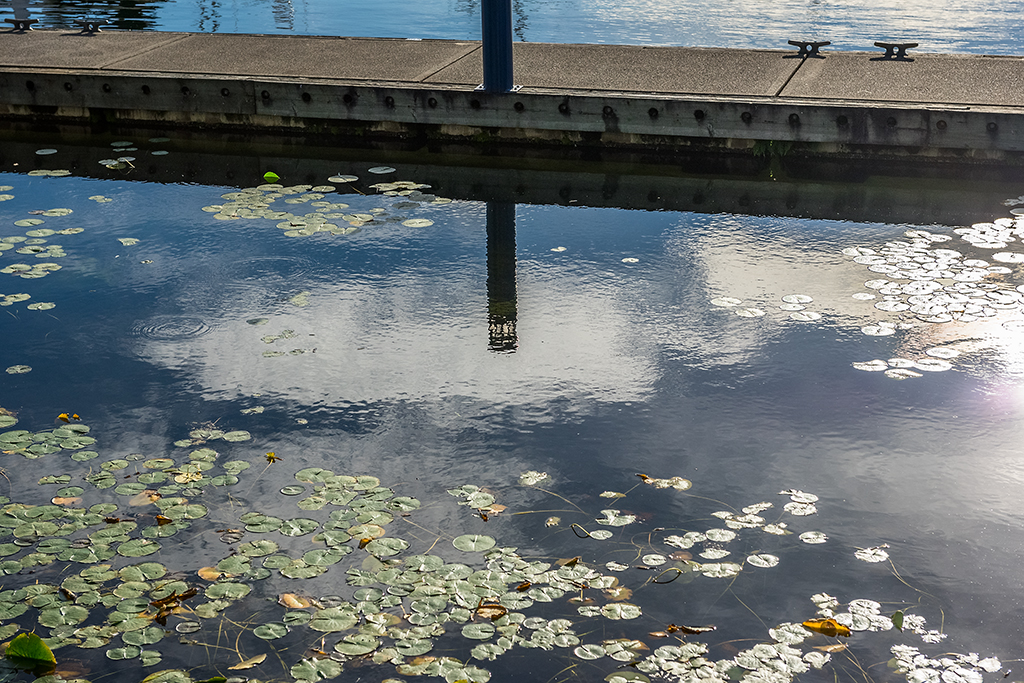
258, 548
478, 631
590, 651
144, 636
168, 676
334, 619
315, 669
31, 647
474, 542
228, 590
357, 644
128, 652
240, 435
138, 547
271, 631
299, 526
414, 647
385, 547
620, 610
323, 557
65, 614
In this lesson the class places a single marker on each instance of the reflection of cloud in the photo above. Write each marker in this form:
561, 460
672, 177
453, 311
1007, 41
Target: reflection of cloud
394, 340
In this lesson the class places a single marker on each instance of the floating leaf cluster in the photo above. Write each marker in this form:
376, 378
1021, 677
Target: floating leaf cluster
928, 284
326, 215
794, 304
398, 602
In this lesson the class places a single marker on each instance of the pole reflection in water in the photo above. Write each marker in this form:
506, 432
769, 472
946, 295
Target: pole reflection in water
501, 276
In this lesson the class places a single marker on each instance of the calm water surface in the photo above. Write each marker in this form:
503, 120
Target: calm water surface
938, 25
387, 365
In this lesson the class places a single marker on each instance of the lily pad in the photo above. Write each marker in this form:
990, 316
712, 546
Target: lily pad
474, 542
271, 631
31, 647
620, 610
138, 547
239, 435
385, 547
315, 669
356, 645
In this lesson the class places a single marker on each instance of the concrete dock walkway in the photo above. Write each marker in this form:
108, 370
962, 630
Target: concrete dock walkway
843, 104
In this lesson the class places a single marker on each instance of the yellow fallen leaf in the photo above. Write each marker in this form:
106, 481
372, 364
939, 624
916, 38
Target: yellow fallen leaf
210, 573
827, 627
249, 663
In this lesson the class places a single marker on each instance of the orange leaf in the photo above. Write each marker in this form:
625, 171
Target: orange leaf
827, 627
293, 601
210, 573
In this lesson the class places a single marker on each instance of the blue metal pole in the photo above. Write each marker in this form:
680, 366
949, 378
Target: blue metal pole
496, 17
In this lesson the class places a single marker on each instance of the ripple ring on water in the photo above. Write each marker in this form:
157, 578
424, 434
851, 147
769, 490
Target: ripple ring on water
170, 328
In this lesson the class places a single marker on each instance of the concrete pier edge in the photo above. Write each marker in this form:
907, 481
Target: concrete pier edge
933, 108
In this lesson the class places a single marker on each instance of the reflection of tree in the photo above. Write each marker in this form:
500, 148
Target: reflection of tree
284, 14
209, 14
120, 14
520, 20
501, 276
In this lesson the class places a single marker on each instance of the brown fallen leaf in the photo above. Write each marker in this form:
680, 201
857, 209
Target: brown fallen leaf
293, 601
249, 663
691, 630
837, 647
147, 497
617, 593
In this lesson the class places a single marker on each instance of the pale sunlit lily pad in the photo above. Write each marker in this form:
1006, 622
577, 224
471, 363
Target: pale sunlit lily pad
875, 554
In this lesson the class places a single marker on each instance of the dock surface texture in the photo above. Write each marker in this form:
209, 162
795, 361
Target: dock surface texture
954, 107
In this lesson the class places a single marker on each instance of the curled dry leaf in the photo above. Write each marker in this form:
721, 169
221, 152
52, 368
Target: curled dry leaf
827, 627
249, 663
293, 601
147, 497
210, 573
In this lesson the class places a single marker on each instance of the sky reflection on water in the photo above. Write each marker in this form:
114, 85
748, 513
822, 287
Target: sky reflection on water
620, 368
